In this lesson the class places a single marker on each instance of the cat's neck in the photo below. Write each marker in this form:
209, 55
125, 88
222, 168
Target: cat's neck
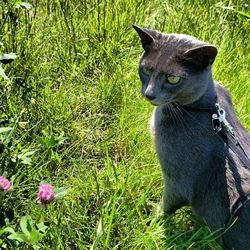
208, 99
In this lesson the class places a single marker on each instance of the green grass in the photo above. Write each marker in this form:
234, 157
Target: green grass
73, 99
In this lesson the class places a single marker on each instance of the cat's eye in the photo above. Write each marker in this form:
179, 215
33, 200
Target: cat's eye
173, 79
146, 72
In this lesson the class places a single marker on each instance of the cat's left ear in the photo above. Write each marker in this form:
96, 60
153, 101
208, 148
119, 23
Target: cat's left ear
146, 37
202, 56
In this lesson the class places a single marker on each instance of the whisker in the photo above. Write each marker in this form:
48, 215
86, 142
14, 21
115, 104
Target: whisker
183, 122
175, 119
179, 120
170, 112
175, 115
194, 118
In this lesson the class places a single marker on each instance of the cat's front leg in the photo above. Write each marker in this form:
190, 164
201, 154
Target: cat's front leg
171, 202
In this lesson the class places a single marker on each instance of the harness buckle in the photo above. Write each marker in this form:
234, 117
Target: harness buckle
216, 123
220, 122
222, 117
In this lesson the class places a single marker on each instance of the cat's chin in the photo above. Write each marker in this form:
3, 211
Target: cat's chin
160, 103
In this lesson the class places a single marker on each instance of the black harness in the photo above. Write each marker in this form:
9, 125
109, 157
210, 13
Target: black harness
220, 123
223, 128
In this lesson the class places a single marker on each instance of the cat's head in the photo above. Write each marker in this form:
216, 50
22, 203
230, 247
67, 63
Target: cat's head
174, 68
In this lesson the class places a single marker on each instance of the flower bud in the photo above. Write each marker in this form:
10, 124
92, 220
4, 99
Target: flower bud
5, 184
46, 193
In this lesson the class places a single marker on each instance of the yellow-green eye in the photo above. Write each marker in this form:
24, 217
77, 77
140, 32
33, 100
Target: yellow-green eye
146, 72
173, 79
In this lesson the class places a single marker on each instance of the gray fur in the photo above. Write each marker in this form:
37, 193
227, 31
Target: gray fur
198, 167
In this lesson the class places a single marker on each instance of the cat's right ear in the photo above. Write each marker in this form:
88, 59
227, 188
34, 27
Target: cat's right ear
202, 56
146, 38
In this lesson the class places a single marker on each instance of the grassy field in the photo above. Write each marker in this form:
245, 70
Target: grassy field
74, 117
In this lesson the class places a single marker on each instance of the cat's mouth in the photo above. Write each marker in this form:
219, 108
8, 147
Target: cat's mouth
160, 103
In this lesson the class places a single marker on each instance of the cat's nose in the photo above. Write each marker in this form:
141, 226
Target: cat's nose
150, 97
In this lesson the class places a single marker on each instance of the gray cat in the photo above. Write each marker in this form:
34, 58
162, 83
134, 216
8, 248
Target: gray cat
199, 168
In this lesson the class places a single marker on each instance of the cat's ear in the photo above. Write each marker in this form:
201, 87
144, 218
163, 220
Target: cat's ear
146, 38
201, 56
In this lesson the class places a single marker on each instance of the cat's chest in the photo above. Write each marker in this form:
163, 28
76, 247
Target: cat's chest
175, 126
180, 137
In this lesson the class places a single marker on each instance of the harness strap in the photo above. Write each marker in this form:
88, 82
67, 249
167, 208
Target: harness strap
241, 202
220, 123
233, 143
236, 207
222, 127
210, 110
238, 149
